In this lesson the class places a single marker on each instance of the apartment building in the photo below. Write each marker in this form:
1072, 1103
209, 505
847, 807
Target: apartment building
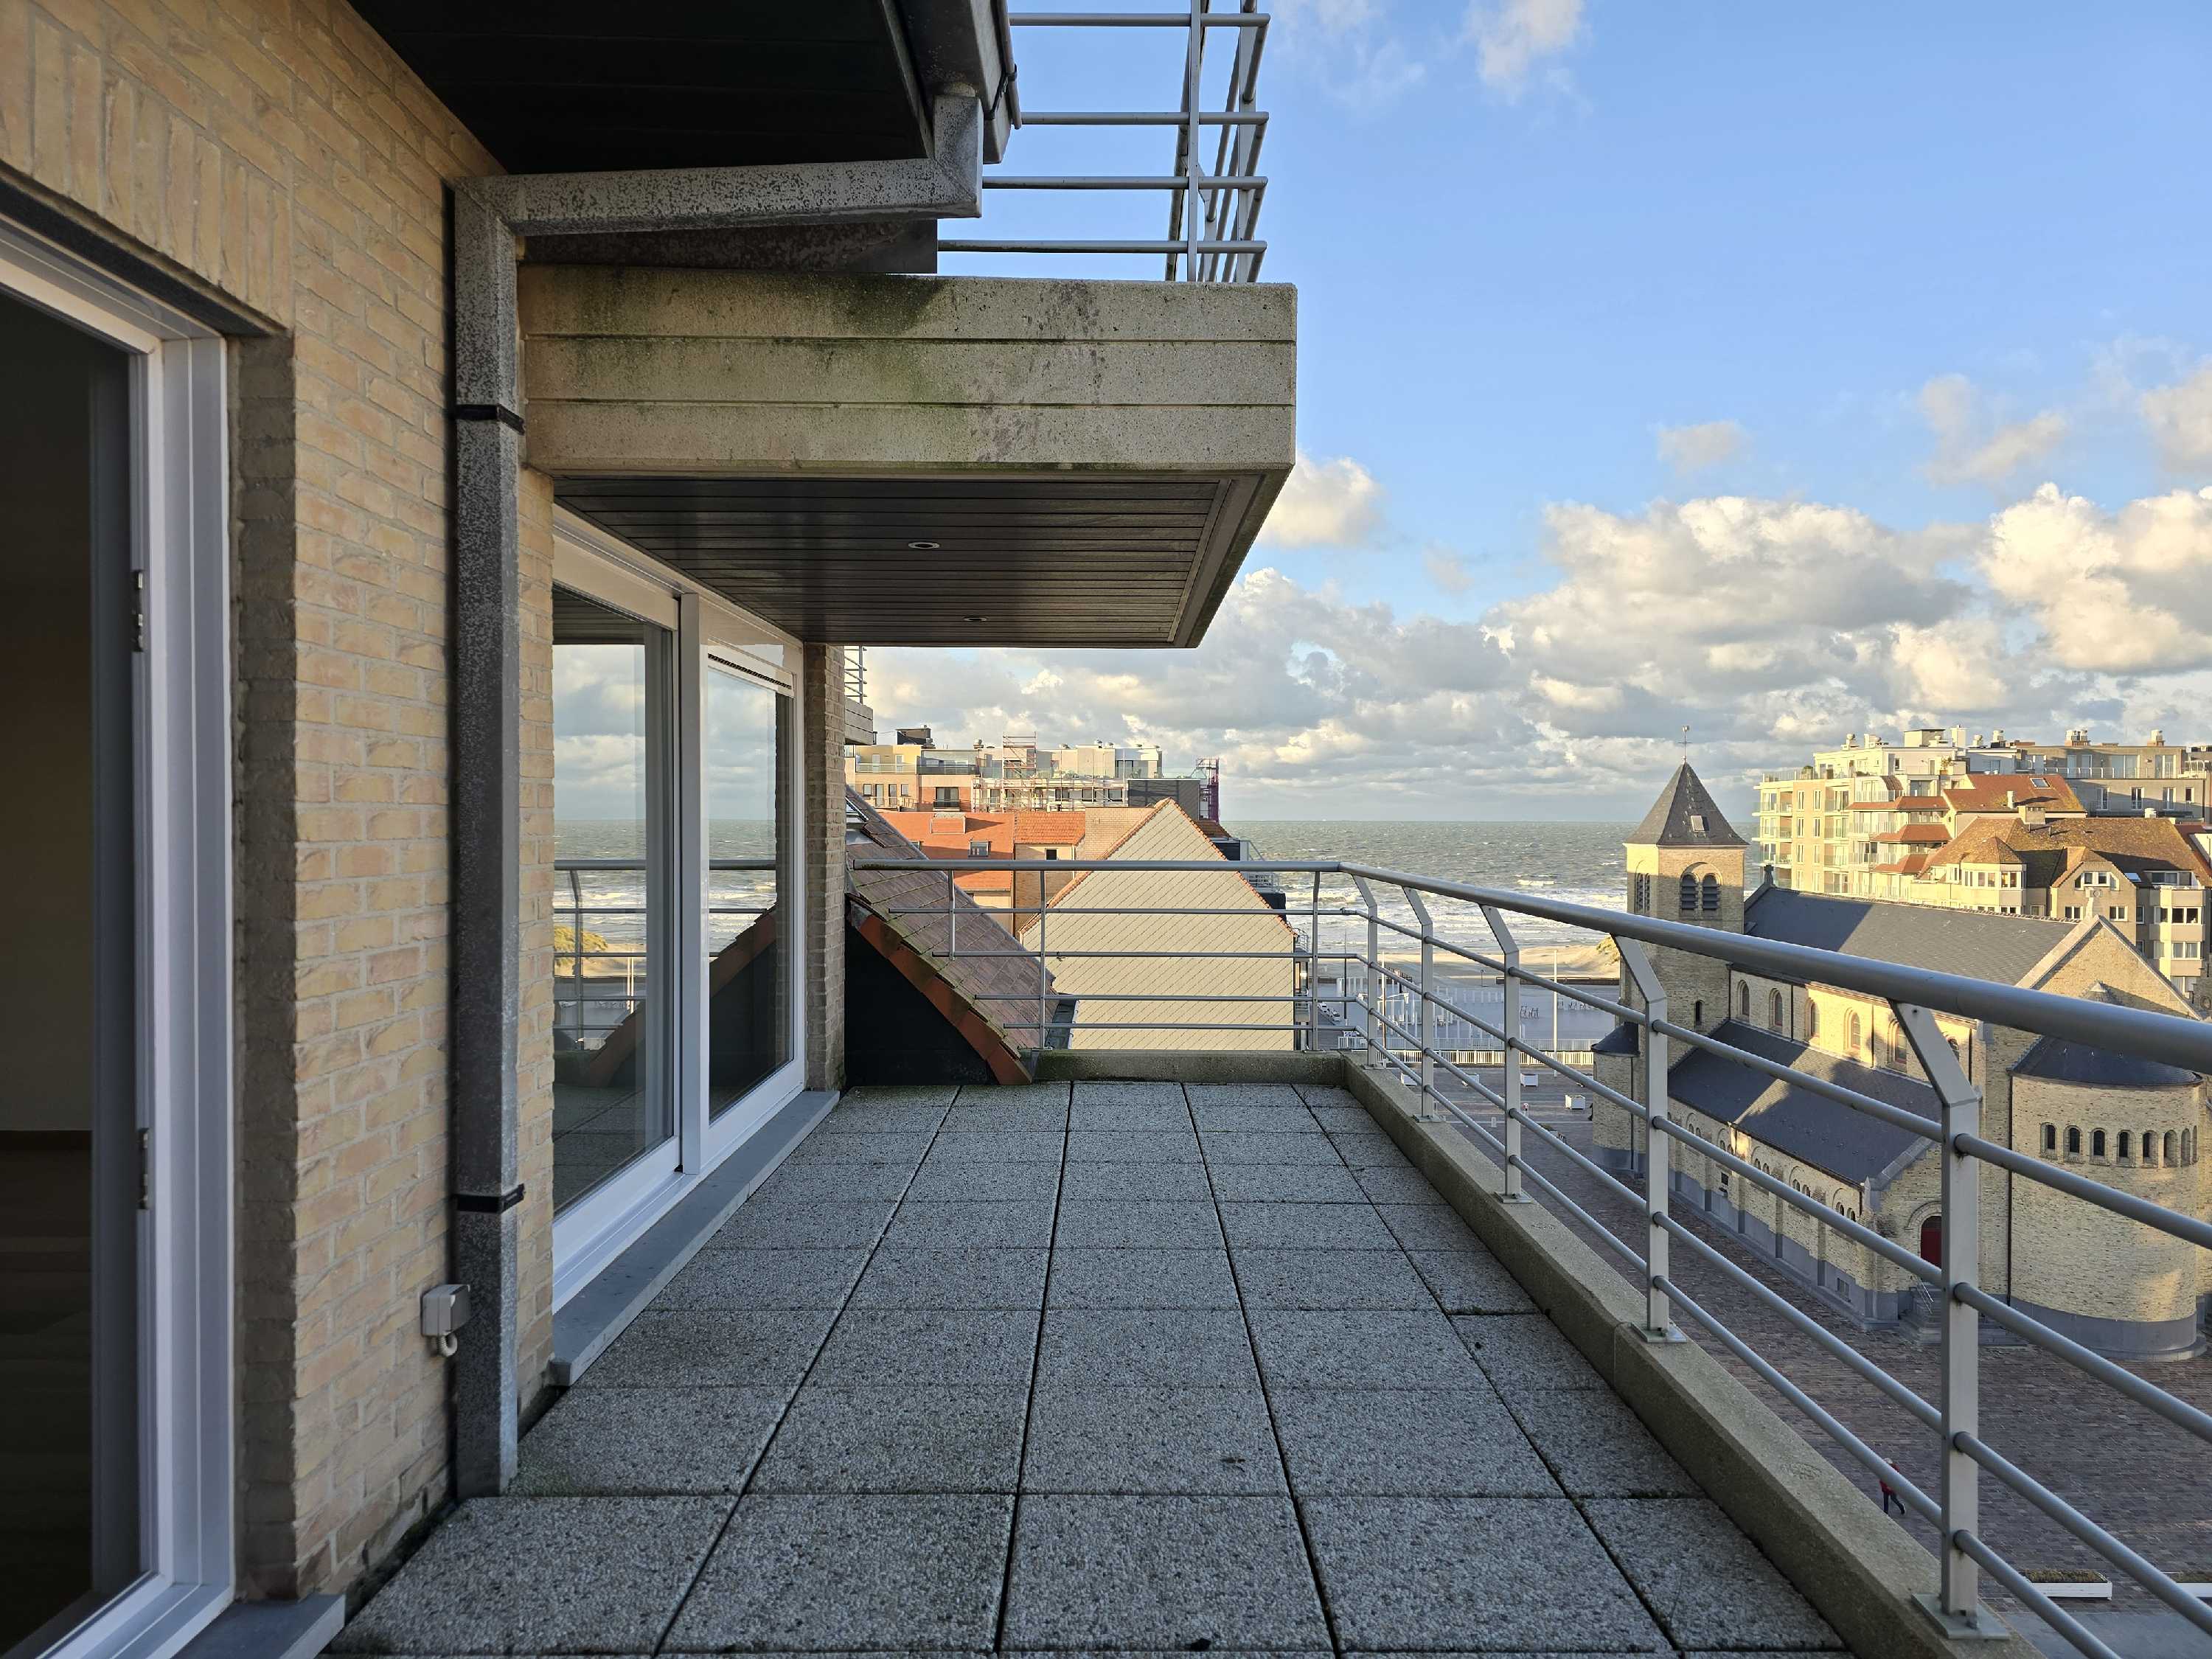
913, 776
451, 463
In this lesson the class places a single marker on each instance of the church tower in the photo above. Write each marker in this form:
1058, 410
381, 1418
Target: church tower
1684, 863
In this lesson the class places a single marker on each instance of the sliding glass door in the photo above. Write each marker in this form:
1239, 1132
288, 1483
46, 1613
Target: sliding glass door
613, 1095
675, 948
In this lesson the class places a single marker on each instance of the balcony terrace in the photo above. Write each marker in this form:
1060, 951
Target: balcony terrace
1112, 1366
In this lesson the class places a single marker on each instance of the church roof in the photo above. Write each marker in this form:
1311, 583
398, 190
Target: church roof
1977, 944
2056, 1059
1685, 814
1792, 1118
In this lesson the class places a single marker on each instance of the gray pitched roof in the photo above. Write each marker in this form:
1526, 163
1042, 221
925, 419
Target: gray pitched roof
1685, 814
1793, 1120
2061, 1061
1978, 943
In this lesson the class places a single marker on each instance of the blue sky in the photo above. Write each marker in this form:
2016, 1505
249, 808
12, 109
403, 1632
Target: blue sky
1876, 337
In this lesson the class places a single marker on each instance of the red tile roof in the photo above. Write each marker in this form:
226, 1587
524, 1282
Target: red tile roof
1925, 835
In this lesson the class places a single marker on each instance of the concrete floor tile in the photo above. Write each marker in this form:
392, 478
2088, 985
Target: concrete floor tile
1368, 1149
1240, 1146
846, 1181
803, 1227
1331, 1279
1140, 1277
1107, 1224
926, 1279
1284, 1120
1013, 1094
897, 1439
639, 1441
1161, 1573
1708, 1582
1284, 1096
933, 1226
1129, 1094
538, 1575
1471, 1281
1132, 1146
984, 1183
1305, 1226
871, 1096
1433, 1442
1144, 1182
764, 1280
997, 1146
832, 1144
952, 1348
1124, 1348
1352, 1120
1477, 1574
1285, 1183
1599, 1448
709, 1349
906, 1573
1525, 1355
1150, 1440
1135, 1116
1356, 1350
1330, 1094
1428, 1227
1388, 1184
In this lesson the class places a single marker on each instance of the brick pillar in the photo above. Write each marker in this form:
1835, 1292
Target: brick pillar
822, 713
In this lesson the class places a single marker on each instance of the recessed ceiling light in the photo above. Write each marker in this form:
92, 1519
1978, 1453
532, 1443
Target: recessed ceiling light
925, 547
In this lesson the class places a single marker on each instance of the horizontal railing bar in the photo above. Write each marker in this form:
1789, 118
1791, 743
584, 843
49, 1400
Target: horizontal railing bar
2135, 1566
2092, 1192
1057, 954
1119, 181
1030, 245
1589, 1165
1878, 1466
2020, 1584
1833, 1345
1300, 997
1857, 1231
2148, 1395
1131, 118
761, 862
1056, 912
1135, 20
1152, 1025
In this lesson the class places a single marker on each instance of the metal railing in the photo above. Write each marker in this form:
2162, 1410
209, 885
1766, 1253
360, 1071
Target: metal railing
1213, 212
1948, 1291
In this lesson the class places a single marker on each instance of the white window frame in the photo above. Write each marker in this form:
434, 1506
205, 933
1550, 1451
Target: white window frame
181, 718
710, 636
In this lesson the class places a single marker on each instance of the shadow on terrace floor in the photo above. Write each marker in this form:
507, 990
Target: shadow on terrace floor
1159, 1368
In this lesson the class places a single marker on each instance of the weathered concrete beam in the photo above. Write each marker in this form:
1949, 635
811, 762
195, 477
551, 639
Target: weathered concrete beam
947, 184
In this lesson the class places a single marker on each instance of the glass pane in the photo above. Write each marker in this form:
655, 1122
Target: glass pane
748, 850
68, 1165
612, 1098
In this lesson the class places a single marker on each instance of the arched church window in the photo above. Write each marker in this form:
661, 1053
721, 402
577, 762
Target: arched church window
2073, 1142
1712, 893
2169, 1148
1774, 1010
2051, 1137
1811, 1018
1743, 1001
1689, 899
2127, 1146
2151, 1145
2096, 1143
1855, 1032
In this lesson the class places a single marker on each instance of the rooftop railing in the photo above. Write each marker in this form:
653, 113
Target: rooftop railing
1368, 904
1213, 206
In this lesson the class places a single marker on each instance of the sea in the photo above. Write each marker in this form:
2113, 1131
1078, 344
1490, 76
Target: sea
1577, 862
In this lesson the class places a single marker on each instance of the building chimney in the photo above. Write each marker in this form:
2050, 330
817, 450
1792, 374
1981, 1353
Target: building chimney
2032, 814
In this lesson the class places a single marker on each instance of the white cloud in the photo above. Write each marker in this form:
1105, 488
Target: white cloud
1691, 448
1970, 448
1333, 503
1447, 569
1512, 36
2180, 421
1349, 46
2121, 592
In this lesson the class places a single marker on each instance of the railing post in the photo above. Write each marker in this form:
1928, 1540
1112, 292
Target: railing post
1957, 1608
576, 946
1509, 1024
1044, 975
1428, 1112
1313, 968
1371, 975
951, 918
1658, 1322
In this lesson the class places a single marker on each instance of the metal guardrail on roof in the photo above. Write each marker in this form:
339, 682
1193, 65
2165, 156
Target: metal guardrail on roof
1213, 213
1361, 1024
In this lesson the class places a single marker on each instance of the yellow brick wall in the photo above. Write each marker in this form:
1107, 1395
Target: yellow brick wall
277, 152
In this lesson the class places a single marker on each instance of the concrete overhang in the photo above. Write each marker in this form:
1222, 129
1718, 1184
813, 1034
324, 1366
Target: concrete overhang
921, 461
